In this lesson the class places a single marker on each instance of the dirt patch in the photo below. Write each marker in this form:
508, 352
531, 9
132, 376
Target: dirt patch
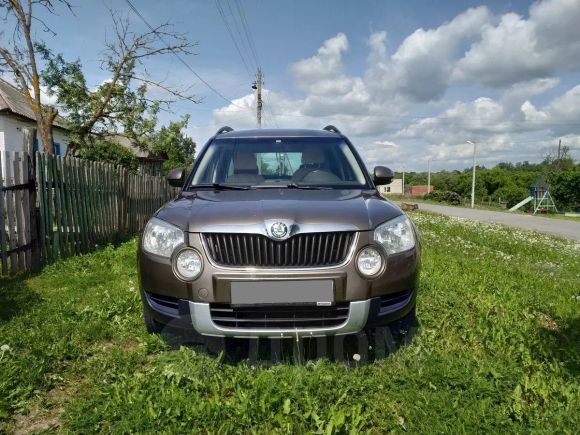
43, 415
549, 323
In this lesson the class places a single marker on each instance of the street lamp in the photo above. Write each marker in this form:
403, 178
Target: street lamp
473, 176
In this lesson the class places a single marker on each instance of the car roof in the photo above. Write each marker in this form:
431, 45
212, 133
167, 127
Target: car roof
276, 132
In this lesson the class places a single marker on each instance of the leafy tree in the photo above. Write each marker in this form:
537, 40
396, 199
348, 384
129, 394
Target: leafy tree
511, 193
19, 56
565, 189
171, 143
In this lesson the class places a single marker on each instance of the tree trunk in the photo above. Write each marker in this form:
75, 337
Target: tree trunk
46, 138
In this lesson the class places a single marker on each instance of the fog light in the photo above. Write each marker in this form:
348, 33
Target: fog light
369, 262
188, 264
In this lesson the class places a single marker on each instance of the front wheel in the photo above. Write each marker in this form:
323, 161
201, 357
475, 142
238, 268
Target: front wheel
152, 326
407, 324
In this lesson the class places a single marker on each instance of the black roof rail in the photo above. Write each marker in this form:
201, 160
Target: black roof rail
224, 129
332, 128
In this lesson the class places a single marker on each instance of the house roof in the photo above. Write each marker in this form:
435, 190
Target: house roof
540, 183
130, 144
13, 100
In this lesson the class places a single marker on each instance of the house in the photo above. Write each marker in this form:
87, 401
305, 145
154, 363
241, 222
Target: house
394, 187
149, 163
16, 116
419, 190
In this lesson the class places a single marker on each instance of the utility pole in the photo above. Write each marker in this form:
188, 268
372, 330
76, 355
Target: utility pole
559, 161
258, 87
403, 180
429, 176
473, 176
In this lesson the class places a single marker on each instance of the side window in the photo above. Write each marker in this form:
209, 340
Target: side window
57, 149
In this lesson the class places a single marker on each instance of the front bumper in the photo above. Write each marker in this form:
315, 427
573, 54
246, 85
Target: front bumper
363, 314
365, 303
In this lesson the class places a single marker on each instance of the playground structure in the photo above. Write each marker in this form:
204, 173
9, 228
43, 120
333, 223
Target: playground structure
540, 194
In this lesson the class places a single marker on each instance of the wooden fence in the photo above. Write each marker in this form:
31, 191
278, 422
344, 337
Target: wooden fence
17, 227
53, 207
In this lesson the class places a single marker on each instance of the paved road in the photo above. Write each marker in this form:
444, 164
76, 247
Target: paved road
560, 227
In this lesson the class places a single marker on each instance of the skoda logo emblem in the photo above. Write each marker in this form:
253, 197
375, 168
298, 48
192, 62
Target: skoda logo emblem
279, 230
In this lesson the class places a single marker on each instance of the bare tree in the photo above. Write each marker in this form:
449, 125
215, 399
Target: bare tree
19, 56
130, 50
122, 103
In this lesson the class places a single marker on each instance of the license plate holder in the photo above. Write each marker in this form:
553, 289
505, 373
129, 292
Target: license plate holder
316, 291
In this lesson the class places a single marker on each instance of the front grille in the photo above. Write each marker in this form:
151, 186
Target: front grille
289, 316
301, 250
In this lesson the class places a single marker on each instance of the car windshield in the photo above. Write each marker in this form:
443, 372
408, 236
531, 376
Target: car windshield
285, 162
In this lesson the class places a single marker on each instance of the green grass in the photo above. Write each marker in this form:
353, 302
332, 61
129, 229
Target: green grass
497, 351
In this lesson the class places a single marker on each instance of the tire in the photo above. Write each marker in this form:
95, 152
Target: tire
406, 324
152, 326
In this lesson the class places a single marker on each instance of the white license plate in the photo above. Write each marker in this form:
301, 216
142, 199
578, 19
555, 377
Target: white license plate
319, 291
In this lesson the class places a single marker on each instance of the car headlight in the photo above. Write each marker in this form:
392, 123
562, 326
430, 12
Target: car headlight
396, 235
188, 264
369, 262
161, 238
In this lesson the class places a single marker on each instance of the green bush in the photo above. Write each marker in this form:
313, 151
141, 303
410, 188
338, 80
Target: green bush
511, 193
109, 152
565, 189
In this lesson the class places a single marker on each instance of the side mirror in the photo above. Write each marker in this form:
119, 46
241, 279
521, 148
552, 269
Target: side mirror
176, 177
382, 175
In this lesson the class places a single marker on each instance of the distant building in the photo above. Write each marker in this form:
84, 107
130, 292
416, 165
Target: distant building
419, 190
395, 187
16, 116
149, 163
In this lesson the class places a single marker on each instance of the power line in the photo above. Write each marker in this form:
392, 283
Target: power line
176, 54
270, 108
243, 43
248, 32
252, 48
245, 58
229, 29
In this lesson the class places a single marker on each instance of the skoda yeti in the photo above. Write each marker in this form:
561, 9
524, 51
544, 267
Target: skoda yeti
278, 233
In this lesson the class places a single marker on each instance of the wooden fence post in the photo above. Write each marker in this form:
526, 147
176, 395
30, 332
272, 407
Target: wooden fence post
35, 238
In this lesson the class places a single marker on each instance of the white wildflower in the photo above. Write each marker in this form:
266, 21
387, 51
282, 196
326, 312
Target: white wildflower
356, 357
5, 348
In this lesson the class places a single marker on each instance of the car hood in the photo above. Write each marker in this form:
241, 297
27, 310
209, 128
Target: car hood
240, 210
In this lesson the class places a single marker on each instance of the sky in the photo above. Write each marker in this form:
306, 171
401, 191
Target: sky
406, 81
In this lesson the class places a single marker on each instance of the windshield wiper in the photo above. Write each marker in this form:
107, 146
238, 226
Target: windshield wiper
301, 186
221, 186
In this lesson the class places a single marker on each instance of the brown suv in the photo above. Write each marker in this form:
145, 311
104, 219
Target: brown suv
278, 233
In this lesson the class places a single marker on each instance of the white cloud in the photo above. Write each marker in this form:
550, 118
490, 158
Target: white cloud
421, 67
383, 109
518, 49
561, 116
383, 152
322, 68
